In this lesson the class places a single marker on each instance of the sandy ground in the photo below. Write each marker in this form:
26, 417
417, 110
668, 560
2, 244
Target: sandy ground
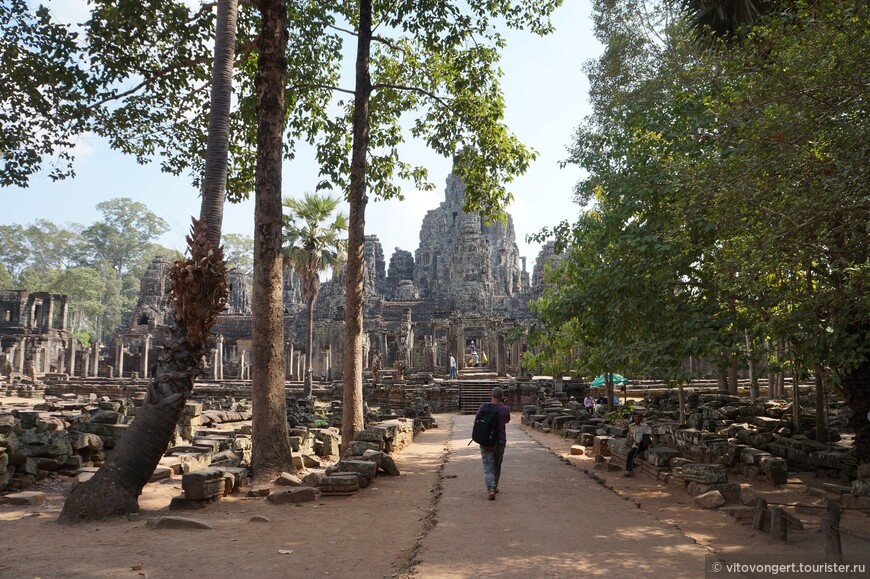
550, 520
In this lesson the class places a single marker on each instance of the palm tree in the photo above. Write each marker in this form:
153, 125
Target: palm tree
199, 292
726, 19
311, 247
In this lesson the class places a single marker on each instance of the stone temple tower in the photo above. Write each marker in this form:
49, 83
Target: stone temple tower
465, 261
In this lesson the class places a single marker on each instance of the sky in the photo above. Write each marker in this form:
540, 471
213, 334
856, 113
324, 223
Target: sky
546, 99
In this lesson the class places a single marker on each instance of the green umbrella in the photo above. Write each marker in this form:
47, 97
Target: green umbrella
617, 379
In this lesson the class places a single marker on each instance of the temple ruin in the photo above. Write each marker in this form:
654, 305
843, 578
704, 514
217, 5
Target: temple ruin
464, 289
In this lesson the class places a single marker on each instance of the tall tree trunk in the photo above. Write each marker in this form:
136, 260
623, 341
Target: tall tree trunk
796, 402
352, 418
308, 387
722, 377
270, 439
681, 394
115, 488
821, 414
608, 389
856, 387
733, 370
214, 183
753, 371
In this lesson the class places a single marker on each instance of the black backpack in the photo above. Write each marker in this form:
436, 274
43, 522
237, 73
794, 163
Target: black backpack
485, 431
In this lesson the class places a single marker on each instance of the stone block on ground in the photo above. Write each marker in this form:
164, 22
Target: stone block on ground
729, 491
577, 450
259, 491
312, 479
710, 500
601, 445
775, 469
330, 443
662, 455
177, 523
203, 485
226, 458
861, 487
239, 476
384, 461
365, 468
358, 447
160, 473
310, 461
172, 463
23, 498
285, 479
705, 473
292, 495
339, 484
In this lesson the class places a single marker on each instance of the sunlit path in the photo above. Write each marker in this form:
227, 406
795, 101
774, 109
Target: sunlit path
549, 520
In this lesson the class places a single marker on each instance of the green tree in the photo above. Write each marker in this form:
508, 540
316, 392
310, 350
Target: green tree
44, 93
14, 252
313, 243
199, 293
5, 278
239, 252
124, 234
436, 62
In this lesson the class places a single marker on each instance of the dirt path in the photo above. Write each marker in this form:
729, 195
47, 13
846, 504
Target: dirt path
549, 521
368, 535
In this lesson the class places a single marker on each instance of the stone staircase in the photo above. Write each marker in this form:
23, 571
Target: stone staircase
475, 386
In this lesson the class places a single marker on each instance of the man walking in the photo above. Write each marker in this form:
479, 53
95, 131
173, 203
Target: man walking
640, 437
492, 456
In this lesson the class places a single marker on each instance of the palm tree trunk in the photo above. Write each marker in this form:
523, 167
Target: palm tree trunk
309, 386
115, 488
271, 443
214, 183
352, 417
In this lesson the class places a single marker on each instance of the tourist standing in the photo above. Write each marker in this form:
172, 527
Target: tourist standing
494, 455
640, 437
589, 402
452, 367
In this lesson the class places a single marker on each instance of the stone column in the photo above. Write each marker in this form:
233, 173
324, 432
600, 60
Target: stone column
49, 312
460, 344
220, 348
86, 362
500, 356
242, 365
214, 364
120, 364
146, 349
71, 365
22, 352
95, 369
300, 366
365, 351
63, 311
